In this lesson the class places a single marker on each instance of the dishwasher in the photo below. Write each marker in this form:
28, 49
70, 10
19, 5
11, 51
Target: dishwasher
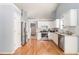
61, 41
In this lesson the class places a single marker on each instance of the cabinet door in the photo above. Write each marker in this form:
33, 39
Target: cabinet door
55, 38
50, 36
71, 43
70, 18
66, 18
73, 17
39, 36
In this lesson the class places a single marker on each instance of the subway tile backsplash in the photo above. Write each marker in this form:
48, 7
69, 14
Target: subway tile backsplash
73, 29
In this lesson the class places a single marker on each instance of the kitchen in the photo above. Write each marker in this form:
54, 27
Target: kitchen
64, 37
62, 31
53, 22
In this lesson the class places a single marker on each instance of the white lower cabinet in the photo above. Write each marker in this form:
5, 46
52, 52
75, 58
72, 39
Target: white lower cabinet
54, 37
50, 36
70, 45
38, 36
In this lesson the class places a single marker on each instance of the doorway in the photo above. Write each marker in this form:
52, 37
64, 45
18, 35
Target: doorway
33, 30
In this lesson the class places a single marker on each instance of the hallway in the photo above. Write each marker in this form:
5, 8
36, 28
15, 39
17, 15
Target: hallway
38, 47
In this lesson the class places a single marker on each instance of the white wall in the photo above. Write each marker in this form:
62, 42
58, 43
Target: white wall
9, 28
28, 29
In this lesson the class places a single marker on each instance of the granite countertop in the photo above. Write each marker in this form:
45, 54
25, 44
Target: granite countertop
58, 33
66, 34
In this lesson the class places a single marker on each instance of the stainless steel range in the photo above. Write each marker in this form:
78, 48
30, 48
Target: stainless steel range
44, 35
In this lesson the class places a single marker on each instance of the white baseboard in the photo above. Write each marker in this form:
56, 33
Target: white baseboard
4, 53
70, 53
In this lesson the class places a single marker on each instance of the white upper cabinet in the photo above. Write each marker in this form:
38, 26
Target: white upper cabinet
70, 18
57, 23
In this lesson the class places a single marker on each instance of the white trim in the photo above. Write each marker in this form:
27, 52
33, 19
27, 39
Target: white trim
7, 52
10, 52
16, 7
71, 53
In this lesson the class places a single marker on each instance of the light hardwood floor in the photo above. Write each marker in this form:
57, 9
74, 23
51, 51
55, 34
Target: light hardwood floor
38, 47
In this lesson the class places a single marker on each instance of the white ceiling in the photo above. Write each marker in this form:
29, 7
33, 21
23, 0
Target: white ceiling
38, 10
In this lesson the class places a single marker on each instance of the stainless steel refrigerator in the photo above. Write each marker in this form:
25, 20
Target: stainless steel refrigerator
23, 33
